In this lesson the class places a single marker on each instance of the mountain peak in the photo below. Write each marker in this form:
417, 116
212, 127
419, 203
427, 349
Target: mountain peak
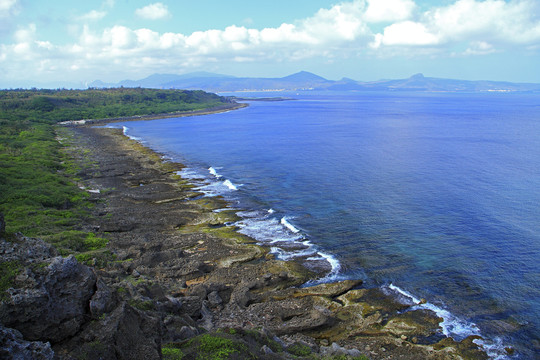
418, 76
304, 76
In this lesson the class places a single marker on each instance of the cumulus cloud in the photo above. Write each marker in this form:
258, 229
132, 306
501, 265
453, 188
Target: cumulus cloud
343, 30
153, 11
496, 21
8, 8
389, 10
405, 33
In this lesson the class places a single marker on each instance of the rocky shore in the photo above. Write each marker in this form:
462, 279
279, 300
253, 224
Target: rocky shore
175, 282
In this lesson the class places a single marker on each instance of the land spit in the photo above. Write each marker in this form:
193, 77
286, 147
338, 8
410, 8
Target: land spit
175, 275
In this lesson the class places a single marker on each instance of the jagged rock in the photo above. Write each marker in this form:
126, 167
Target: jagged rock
266, 350
336, 350
214, 299
136, 335
26, 250
191, 305
46, 303
198, 290
305, 321
14, 347
206, 321
125, 334
289, 316
187, 332
103, 300
241, 296
172, 305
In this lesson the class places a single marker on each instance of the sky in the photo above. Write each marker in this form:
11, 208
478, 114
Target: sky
57, 42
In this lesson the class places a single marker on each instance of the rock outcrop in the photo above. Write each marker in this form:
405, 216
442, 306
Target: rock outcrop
49, 298
55, 299
14, 347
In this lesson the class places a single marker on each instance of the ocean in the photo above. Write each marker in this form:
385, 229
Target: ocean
427, 195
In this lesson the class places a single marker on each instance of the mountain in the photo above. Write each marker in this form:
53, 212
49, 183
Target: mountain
304, 76
304, 80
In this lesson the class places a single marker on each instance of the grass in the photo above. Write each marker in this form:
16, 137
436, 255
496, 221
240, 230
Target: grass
215, 347
8, 271
171, 353
299, 350
40, 163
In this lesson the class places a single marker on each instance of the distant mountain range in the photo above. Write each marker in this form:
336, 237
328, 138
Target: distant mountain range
308, 81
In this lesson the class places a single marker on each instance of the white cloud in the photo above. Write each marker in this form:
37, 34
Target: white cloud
153, 11
479, 48
93, 15
342, 22
26, 34
389, 10
480, 27
8, 8
489, 21
515, 21
405, 33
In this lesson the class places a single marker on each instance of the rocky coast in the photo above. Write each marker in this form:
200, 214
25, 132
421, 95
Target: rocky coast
176, 282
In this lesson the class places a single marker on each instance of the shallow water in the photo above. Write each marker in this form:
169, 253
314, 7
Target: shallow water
435, 195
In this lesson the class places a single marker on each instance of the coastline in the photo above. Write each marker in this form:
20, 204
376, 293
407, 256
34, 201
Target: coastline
215, 110
256, 290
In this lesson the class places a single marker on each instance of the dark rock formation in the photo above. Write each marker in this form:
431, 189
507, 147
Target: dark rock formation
103, 300
14, 347
124, 334
49, 300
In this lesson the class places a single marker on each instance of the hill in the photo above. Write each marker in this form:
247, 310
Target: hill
304, 80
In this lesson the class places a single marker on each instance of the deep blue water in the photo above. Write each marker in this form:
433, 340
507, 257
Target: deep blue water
436, 195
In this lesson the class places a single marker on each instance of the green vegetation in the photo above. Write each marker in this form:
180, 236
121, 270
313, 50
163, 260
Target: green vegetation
299, 349
346, 357
52, 106
143, 305
39, 195
171, 353
215, 347
8, 271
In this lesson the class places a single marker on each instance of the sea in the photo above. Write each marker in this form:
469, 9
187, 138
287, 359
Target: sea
427, 195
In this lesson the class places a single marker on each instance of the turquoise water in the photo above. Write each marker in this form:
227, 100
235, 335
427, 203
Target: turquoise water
430, 195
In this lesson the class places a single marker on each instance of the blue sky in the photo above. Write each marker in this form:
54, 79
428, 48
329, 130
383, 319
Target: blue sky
58, 41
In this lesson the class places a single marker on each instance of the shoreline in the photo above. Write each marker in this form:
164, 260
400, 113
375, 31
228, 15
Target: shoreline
209, 111
383, 324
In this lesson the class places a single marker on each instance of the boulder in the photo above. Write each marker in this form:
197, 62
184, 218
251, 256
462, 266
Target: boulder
103, 300
335, 350
214, 299
49, 300
126, 333
14, 347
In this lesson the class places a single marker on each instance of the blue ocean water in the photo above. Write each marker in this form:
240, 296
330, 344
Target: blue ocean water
430, 195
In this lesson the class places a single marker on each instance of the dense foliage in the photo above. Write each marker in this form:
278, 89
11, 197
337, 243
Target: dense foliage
52, 106
39, 195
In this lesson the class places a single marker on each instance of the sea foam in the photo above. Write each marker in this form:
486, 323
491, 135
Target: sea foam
125, 130
230, 185
214, 172
452, 326
284, 221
